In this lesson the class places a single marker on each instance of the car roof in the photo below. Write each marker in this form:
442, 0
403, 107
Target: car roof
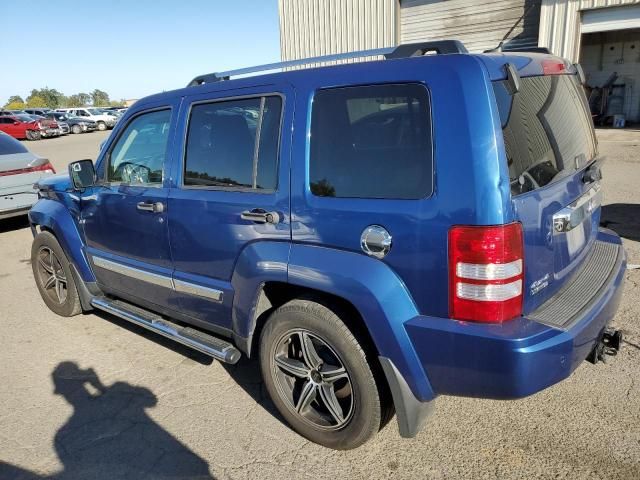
526, 64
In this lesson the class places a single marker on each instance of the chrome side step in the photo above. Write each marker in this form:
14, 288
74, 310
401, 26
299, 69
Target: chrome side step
202, 342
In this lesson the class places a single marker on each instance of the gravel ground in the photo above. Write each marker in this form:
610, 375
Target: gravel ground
92, 397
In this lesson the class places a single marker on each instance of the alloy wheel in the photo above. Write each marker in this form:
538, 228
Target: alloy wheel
313, 380
51, 275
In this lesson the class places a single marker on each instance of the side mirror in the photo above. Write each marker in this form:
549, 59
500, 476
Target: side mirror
82, 174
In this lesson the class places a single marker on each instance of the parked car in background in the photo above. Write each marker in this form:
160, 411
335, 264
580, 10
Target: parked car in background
76, 124
19, 170
37, 111
103, 120
23, 126
51, 128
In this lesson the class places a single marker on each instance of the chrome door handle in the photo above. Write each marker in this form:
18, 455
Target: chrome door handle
155, 207
259, 215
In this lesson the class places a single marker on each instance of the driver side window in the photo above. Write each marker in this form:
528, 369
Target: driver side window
138, 155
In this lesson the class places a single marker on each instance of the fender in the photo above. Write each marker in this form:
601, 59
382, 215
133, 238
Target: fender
54, 216
377, 293
258, 263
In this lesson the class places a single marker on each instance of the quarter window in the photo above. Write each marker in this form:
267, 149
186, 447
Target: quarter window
234, 144
139, 153
371, 142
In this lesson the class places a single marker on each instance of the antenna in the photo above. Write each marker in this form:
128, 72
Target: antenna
526, 12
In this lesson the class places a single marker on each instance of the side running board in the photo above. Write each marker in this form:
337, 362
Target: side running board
202, 342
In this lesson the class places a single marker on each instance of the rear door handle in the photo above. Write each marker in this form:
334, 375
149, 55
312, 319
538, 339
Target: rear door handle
259, 215
154, 207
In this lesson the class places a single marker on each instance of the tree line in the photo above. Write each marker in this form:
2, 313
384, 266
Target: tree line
52, 98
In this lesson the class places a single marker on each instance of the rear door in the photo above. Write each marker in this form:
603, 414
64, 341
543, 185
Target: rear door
550, 150
232, 189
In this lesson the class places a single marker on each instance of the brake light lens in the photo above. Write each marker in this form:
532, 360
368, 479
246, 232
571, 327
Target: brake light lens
44, 167
553, 67
486, 272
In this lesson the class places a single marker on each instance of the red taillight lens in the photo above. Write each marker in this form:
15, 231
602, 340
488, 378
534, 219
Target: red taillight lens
486, 271
553, 67
45, 167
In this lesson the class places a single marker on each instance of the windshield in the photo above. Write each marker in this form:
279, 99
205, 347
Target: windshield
95, 111
547, 128
25, 118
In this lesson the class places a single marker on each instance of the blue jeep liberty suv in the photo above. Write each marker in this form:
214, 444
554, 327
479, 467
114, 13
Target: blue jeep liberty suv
375, 233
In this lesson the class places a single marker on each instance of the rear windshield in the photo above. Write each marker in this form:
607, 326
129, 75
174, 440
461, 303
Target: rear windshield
9, 145
547, 128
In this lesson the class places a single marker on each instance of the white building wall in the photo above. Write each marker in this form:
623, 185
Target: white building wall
480, 25
560, 23
310, 28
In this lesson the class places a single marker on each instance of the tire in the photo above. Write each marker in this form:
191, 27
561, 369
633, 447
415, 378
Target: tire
33, 135
76, 129
102, 126
356, 409
52, 273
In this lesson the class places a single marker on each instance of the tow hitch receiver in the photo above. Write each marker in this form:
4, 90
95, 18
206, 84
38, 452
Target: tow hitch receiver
609, 344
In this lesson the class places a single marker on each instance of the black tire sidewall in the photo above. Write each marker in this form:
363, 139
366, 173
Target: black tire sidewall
321, 321
71, 305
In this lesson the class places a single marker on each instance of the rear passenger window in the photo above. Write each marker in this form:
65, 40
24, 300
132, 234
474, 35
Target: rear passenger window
234, 144
371, 142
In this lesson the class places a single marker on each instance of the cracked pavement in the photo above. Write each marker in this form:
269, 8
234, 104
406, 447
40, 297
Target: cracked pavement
92, 397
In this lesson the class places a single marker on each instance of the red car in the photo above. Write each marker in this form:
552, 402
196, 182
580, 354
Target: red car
24, 126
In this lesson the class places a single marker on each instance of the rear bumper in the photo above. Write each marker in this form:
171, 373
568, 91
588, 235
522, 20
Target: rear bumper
518, 358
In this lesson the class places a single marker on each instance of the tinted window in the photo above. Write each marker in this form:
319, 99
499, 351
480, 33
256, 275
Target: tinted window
221, 144
547, 129
139, 153
9, 145
371, 142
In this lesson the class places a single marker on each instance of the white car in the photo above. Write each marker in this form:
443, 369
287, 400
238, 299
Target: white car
19, 170
102, 119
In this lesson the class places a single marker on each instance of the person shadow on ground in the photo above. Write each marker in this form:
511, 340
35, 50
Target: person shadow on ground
110, 436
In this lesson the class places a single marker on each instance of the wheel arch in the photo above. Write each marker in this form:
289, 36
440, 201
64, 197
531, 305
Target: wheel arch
376, 300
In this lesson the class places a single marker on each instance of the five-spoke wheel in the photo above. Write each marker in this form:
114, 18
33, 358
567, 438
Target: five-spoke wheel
52, 272
319, 376
310, 374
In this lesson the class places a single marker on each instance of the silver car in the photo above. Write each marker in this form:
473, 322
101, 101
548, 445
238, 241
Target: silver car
19, 170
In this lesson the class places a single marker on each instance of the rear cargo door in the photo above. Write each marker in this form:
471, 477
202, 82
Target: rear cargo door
551, 153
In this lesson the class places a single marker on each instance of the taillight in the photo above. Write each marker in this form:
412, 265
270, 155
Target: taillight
486, 272
44, 167
553, 67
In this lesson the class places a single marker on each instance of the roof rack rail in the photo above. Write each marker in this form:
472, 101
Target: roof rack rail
440, 47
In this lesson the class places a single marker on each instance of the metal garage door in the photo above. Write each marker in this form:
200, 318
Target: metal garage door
606, 19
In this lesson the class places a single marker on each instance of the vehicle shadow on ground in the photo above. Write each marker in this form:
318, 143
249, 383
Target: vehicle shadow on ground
15, 223
246, 373
622, 218
110, 435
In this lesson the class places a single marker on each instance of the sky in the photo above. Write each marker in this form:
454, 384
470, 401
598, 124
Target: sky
130, 48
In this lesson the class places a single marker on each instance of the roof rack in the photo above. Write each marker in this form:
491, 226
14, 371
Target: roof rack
439, 47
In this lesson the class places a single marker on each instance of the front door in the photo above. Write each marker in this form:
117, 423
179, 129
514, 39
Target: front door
125, 217
232, 189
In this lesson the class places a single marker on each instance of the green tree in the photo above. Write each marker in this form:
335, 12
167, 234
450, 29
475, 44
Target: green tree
85, 98
100, 98
116, 103
35, 101
14, 99
52, 97
15, 106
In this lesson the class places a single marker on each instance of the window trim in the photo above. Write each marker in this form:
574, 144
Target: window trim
240, 189
429, 194
107, 155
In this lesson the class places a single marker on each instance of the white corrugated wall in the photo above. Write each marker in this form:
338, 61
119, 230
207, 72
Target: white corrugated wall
310, 28
560, 23
480, 25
